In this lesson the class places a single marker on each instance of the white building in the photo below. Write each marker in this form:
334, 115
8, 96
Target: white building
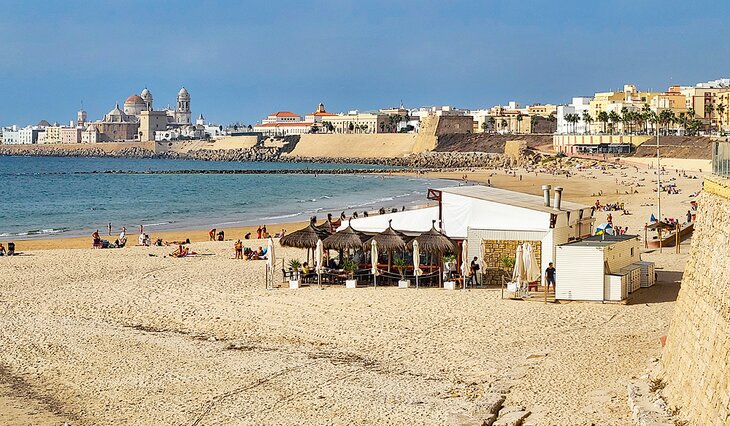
283, 123
10, 135
29, 135
484, 215
577, 106
598, 268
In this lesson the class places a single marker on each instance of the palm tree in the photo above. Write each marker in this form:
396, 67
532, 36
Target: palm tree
720, 108
587, 119
603, 118
491, 122
533, 123
519, 120
504, 123
624, 119
485, 126
614, 118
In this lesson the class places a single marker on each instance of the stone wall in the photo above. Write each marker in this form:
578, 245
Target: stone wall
696, 360
448, 125
495, 250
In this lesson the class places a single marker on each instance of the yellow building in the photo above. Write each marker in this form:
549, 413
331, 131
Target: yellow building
722, 109
53, 134
542, 110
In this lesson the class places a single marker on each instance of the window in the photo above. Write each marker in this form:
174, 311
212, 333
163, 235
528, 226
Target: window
632, 252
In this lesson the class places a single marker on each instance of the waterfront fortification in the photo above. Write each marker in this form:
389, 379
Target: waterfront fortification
696, 360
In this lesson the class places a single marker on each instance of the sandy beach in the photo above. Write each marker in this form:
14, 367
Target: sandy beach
97, 337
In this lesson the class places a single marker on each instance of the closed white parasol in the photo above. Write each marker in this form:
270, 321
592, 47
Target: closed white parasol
518, 275
465, 265
416, 261
532, 271
270, 260
374, 261
319, 256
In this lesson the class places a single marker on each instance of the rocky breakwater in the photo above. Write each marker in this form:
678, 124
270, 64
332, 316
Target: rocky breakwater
432, 160
52, 151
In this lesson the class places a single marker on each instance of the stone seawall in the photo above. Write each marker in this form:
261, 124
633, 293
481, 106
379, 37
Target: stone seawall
696, 360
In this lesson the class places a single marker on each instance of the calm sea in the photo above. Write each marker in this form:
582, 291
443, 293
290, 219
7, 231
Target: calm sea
36, 204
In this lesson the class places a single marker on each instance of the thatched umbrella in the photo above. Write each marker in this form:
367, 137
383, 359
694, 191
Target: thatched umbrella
389, 240
434, 242
304, 238
346, 239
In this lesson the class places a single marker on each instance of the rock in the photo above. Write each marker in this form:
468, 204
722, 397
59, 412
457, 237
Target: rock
514, 418
461, 419
487, 405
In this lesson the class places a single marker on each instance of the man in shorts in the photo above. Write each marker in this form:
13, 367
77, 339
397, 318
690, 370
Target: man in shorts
550, 276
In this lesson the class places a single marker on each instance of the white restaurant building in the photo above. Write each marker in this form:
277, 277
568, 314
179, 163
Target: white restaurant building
493, 222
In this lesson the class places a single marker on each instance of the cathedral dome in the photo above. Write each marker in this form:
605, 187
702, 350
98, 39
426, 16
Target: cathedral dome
183, 93
134, 100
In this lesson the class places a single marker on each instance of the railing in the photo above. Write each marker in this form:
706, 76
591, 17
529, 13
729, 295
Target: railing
721, 158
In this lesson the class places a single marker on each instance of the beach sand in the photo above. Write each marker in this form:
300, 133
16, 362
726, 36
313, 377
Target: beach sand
132, 336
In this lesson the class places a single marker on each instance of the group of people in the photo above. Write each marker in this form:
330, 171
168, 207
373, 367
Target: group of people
216, 235
10, 250
98, 243
246, 253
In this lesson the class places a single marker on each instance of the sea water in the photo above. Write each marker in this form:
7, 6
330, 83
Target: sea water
42, 196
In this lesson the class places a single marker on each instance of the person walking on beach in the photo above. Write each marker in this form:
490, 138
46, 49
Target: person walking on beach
110, 229
258, 233
239, 249
550, 276
265, 234
141, 229
212, 234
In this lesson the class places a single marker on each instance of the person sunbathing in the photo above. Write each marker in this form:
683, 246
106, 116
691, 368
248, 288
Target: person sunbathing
182, 251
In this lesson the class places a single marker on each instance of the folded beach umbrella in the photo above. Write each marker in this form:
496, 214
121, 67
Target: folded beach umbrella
417, 258
270, 259
464, 260
533, 271
319, 255
374, 261
518, 275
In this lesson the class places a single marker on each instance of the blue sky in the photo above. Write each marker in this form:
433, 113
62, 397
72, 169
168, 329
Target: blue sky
241, 60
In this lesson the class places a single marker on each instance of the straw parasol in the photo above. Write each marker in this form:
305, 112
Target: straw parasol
304, 238
434, 241
346, 239
390, 239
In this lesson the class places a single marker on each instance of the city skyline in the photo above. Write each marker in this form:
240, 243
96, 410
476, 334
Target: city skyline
345, 54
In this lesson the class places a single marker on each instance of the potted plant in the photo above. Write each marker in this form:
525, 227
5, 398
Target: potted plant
350, 267
400, 264
294, 267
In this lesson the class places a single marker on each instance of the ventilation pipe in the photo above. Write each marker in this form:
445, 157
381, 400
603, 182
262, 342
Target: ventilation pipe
558, 197
546, 194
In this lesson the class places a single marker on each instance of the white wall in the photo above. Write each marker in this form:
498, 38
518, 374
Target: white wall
579, 273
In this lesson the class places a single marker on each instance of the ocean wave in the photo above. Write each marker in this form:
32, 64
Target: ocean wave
284, 216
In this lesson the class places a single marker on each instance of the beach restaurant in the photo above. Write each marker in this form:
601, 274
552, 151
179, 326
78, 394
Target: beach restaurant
492, 222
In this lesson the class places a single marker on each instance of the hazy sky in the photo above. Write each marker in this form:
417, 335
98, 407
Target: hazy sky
242, 60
